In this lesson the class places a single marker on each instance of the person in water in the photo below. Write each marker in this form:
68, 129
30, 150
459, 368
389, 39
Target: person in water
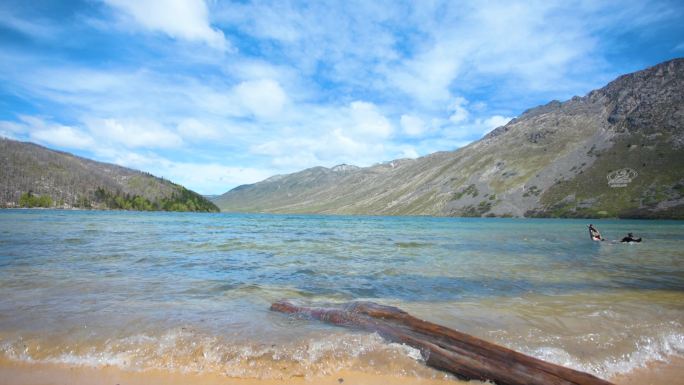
594, 234
630, 238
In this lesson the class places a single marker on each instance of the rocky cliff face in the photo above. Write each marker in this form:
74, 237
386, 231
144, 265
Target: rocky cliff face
616, 152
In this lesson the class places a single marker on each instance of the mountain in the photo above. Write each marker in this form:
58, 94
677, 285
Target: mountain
615, 152
32, 175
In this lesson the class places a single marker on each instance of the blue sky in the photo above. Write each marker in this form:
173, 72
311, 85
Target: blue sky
213, 94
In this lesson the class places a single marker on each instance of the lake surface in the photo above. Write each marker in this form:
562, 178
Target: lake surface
191, 292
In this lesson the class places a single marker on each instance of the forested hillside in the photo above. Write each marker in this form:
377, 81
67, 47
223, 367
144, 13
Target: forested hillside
35, 176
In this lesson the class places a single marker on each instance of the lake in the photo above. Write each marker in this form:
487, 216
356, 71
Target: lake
191, 292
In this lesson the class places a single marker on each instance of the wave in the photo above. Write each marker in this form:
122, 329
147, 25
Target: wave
184, 350
660, 348
181, 350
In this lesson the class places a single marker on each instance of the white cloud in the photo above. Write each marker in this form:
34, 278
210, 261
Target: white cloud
320, 32
357, 133
428, 76
204, 178
412, 125
194, 130
63, 136
473, 128
180, 19
290, 153
409, 152
214, 177
495, 121
529, 46
459, 112
368, 122
134, 133
262, 98
45, 132
11, 129
331, 149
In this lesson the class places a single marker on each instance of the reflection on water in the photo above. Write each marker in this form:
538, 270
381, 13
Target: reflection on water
191, 291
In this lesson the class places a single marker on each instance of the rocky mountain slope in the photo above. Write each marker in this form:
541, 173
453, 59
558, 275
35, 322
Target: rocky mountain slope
616, 152
32, 175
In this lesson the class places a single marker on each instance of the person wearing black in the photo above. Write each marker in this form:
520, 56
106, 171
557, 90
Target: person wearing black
594, 234
630, 238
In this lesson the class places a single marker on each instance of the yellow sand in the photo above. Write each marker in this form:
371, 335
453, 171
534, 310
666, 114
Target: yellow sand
19, 373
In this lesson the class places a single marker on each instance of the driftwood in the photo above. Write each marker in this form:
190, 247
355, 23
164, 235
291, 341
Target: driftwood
446, 349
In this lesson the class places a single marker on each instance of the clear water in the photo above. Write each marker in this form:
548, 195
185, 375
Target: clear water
191, 292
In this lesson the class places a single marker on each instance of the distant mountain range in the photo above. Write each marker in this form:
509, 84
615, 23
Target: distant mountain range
32, 175
616, 152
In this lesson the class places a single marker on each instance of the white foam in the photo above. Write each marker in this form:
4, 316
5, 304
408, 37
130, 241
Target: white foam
188, 351
92, 359
647, 349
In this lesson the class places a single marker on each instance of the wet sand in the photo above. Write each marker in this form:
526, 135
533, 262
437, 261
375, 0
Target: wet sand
20, 373
656, 373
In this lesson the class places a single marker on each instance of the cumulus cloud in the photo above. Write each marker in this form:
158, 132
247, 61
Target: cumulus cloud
63, 136
368, 122
458, 111
262, 98
357, 133
473, 129
495, 121
290, 153
46, 132
332, 148
134, 133
180, 19
412, 125
428, 76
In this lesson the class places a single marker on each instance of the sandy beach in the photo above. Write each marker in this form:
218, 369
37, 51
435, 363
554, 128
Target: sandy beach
18, 373
14, 373
656, 373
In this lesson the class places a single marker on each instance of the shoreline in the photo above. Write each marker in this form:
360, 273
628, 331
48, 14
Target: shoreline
618, 218
24, 373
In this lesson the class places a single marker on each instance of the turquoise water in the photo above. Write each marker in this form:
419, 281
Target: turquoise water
191, 292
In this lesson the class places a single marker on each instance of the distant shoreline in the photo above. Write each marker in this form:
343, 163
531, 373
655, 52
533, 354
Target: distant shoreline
341, 215
103, 209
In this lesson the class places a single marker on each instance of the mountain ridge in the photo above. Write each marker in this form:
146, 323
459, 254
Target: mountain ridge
552, 161
33, 175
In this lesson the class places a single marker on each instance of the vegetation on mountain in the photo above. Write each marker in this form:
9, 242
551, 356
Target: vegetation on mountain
30, 200
554, 160
34, 176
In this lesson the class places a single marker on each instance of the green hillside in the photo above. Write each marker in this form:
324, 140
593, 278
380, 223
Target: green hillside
35, 176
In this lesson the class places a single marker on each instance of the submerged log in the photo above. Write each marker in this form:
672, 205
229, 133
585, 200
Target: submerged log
446, 349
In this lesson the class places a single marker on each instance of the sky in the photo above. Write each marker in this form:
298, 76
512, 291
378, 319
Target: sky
214, 94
